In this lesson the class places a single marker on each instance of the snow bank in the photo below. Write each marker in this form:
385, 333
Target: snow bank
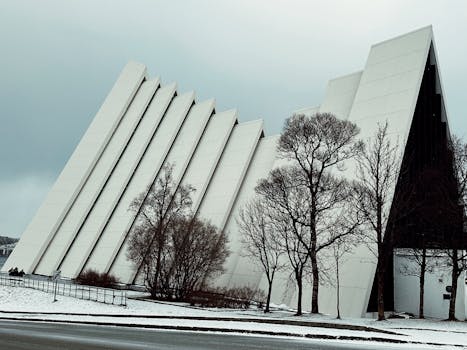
137, 312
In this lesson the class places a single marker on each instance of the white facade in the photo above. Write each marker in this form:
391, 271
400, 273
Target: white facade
436, 302
84, 221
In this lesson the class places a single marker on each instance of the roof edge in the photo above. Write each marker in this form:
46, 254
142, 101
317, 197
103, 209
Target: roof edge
430, 27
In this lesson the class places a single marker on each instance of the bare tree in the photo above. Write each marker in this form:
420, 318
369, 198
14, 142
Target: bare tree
288, 203
176, 251
317, 145
418, 265
196, 253
157, 210
261, 241
297, 255
339, 249
459, 152
457, 240
456, 262
441, 216
377, 173
285, 195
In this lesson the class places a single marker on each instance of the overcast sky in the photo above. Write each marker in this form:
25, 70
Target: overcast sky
59, 59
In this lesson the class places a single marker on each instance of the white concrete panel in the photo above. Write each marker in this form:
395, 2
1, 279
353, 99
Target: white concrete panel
403, 44
390, 82
188, 138
146, 171
396, 66
396, 129
383, 105
180, 154
208, 153
40, 231
198, 174
89, 232
393, 84
227, 179
96, 181
239, 271
340, 95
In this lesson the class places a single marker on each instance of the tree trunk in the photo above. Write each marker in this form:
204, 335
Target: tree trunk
157, 270
338, 290
380, 273
268, 301
298, 276
312, 253
381, 261
315, 273
454, 277
422, 284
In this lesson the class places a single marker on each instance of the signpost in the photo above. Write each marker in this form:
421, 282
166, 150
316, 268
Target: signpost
55, 278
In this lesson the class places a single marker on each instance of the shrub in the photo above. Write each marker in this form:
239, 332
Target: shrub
181, 259
243, 297
233, 298
174, 252
93, 278
15, 272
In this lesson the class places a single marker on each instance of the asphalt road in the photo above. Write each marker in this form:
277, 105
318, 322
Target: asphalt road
16, 335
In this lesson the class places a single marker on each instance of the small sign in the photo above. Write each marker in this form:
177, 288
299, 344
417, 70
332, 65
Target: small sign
56, 275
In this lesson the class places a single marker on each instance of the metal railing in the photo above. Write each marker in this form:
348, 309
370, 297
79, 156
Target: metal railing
99, 294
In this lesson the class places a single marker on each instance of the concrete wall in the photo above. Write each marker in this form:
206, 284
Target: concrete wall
406, 287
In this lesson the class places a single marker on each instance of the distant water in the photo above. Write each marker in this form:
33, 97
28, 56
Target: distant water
2, 260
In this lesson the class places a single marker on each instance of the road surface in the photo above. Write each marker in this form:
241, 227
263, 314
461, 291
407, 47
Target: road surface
16, 335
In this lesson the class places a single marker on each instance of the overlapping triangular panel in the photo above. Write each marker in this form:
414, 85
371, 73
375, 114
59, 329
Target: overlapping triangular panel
117, 228
216, 203
68, 185
239, 271
228, 176
153, 159
208, 153
198, 174
390, 83
205, 157
131, 160
425, 211
83, 204
223, 187
387, 91
340, 95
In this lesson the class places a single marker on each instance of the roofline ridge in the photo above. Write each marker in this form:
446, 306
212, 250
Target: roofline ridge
405, 34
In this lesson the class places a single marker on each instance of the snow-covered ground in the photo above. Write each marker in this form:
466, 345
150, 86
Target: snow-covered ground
25, 303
